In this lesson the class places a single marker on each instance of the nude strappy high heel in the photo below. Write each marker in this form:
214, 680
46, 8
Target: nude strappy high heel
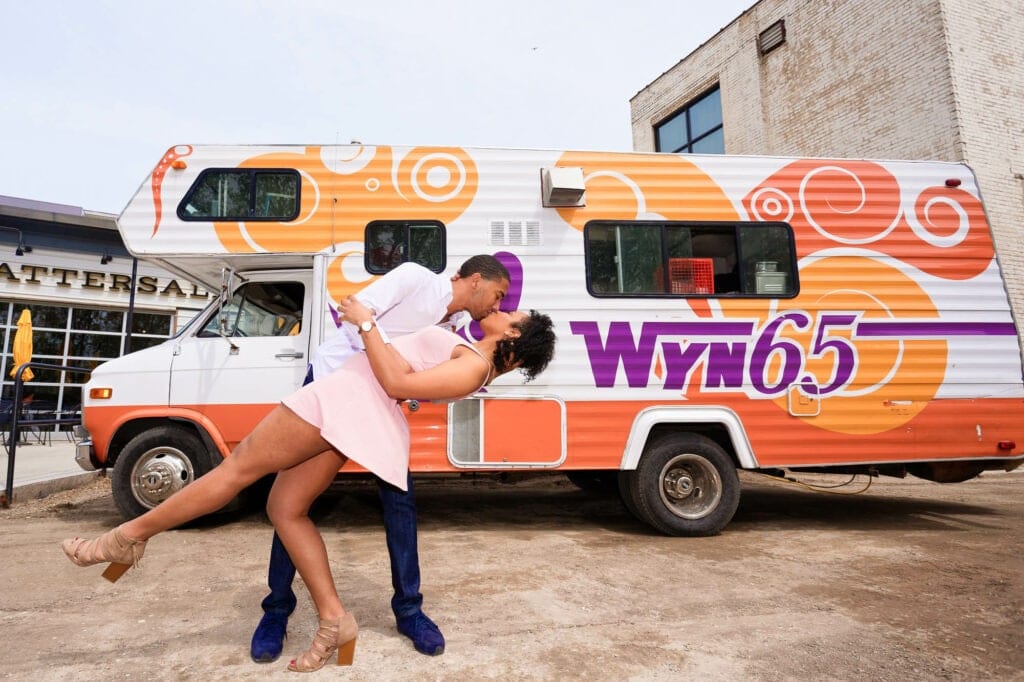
114, 546
332, 634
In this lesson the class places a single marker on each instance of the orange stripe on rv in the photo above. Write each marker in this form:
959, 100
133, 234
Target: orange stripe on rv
597, 431
103, 422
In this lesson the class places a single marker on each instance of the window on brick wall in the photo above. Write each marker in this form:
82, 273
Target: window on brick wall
694, 129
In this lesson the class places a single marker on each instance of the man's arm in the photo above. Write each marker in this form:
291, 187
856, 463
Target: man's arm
453, 378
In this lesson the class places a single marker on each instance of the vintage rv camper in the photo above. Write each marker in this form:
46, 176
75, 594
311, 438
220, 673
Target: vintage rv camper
714, 314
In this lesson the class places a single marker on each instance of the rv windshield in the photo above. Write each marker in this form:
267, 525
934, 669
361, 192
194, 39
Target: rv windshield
258, 309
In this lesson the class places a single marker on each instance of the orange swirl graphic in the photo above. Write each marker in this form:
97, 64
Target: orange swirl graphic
309, 232
642, 186
894, 378
646, 187
437, 183
829, 203
339, 285
858, 203
946, 218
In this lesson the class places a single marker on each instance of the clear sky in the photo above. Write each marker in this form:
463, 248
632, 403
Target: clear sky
92, 92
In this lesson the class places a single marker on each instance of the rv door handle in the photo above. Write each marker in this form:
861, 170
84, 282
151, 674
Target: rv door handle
291, 354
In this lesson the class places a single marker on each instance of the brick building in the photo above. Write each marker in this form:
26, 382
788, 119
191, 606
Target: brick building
916, 79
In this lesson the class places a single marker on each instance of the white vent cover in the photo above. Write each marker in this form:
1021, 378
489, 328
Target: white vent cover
515, 232
562, 186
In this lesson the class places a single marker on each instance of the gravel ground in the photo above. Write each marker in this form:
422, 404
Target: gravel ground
536, 579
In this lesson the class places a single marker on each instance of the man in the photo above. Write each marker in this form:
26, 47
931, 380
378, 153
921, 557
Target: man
404, 300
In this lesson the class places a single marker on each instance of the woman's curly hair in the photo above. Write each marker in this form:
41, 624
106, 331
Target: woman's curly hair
532, 351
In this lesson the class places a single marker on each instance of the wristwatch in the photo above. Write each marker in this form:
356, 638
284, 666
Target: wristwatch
365, 327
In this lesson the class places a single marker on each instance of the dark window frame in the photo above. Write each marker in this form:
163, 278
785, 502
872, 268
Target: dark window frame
374, 268
743, 272
684, 111
251, 205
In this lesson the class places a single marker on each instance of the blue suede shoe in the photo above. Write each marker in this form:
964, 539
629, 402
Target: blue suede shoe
268, 639
425, 635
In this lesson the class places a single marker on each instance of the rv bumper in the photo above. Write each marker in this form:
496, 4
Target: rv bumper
84, 456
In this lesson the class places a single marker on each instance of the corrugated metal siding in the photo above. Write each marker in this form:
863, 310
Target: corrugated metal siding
909, 258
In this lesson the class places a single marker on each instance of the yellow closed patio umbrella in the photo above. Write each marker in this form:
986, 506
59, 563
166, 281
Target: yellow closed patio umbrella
23, 345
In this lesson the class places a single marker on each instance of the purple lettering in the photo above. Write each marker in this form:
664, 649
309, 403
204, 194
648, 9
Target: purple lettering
844, 351
679, 364
789, 353
620, 345
725, 365
637, 356
740, 355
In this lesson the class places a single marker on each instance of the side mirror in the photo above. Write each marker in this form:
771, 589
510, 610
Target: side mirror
227, 289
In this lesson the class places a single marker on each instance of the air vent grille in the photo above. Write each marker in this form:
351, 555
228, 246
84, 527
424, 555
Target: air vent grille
515, 233
772, 37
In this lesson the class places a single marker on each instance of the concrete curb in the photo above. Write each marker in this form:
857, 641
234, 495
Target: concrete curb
42, 469
41, 489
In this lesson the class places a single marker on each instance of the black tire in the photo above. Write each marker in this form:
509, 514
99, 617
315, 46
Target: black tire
684, 485
626, 487
154, 465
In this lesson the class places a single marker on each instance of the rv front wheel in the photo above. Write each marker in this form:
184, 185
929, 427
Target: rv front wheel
153, 466
684, 484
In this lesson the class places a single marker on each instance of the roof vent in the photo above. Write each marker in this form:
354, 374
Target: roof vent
772, 37
562, 186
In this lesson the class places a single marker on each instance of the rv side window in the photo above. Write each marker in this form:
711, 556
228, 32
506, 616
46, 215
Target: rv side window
242, 194
652, 258
389, 243
259, 309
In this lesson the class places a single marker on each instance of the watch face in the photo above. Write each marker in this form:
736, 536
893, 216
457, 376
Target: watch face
366, 326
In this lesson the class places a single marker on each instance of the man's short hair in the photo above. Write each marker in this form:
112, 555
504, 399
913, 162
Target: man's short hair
489, 267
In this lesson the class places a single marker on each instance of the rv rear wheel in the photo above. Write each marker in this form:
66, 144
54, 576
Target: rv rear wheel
684, 484
626, 486
154, 465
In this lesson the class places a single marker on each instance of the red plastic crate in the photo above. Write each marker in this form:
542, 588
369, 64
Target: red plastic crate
691, 275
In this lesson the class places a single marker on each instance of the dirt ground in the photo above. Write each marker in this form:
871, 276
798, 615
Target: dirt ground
536, 579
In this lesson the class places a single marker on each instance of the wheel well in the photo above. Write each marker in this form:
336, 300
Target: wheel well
712, 430
133, 428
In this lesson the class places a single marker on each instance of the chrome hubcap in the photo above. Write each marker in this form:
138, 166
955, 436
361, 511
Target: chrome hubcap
160, 473
690, 486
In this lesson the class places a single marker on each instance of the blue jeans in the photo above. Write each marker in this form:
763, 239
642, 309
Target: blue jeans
400, 529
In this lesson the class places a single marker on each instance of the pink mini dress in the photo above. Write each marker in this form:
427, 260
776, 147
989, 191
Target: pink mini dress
357, 417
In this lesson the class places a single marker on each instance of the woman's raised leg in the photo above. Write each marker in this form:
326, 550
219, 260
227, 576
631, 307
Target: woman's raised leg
279, 441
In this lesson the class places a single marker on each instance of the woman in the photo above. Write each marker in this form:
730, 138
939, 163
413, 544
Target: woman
352, 413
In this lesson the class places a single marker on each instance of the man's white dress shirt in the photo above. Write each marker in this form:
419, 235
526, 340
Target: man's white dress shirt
404, 300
